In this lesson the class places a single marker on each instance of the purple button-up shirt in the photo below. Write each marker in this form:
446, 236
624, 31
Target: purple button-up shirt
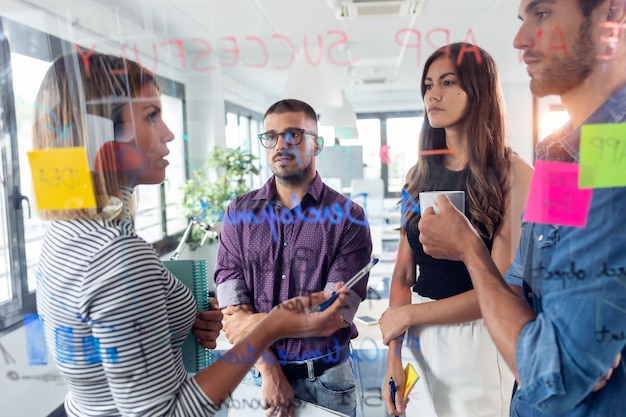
268, 254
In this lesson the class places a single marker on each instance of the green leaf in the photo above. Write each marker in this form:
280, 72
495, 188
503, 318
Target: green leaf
232, 166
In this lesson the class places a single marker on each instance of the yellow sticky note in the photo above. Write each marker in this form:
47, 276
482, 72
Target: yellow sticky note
602, 155
410, 378
61, 179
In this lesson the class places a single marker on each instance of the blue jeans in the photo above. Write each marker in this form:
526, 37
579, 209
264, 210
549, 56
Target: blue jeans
335, 389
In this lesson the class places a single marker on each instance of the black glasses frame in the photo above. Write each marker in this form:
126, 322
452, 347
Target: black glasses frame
296, 132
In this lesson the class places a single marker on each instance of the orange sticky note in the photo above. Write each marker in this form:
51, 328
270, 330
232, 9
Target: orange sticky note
61, 179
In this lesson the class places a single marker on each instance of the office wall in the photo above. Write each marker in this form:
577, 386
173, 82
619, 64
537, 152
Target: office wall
343, 162
519, 104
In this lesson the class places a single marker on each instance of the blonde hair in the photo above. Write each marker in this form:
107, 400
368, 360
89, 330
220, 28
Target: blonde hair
76, 86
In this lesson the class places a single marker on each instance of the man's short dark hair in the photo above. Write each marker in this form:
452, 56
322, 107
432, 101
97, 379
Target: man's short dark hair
292, 105
588, 6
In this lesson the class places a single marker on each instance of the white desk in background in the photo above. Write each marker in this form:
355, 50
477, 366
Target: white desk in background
385, 234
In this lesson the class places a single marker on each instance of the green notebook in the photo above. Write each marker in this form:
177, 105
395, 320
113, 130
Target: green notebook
193, 274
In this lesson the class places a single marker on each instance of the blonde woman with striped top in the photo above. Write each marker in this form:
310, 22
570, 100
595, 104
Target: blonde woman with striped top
114, 317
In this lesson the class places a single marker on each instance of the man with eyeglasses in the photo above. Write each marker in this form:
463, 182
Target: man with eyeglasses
293, 236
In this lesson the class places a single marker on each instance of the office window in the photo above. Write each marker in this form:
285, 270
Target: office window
402, 140
232, 130
390, 146
242, 129
244, 133
28, 73
259, 151
173, 115
148, 216
16, 285
6, 288
159, 213
370, 138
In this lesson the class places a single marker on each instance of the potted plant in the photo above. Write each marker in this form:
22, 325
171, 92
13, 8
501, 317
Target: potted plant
205, 200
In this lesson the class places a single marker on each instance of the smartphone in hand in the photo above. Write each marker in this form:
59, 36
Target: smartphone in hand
367, 320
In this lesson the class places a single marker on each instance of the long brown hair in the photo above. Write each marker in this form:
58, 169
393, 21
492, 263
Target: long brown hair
74, 88
489, 157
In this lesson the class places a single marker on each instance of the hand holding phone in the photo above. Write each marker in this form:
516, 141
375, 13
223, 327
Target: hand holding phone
358, 276
367, 320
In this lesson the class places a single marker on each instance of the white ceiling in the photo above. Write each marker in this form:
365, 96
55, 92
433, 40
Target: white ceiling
373, 43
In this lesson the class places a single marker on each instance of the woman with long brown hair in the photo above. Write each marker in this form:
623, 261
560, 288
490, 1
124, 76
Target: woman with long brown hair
463, 133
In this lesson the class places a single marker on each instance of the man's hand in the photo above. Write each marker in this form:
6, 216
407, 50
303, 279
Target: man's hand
392, 324
606, 377
277, 395
207, 325
445, 235
239, 321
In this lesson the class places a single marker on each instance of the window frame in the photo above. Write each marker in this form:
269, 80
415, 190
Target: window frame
22, 301
383, 116
254, 181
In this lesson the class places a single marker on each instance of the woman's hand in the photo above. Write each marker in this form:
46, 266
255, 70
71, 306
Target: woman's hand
395, 406
277, 396
392, 323
207, 325
239, 321
298, 316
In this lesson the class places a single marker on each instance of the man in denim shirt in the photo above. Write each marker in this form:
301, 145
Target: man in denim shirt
571, 328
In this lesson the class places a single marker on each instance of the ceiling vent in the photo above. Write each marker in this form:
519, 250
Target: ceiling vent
351, 9
372, 81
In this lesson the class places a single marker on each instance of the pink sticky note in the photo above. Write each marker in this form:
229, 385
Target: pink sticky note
554, 196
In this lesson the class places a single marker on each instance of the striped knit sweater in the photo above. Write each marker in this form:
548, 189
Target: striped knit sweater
115, 320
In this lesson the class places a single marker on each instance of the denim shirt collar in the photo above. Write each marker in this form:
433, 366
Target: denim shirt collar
564, 144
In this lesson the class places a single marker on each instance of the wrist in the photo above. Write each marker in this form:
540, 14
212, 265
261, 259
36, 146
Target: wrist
265, 332
270, 372
395, 347
268, 328
252, 320
474, 251
405, 316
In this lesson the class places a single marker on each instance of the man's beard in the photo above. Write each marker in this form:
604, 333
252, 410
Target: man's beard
562, 74
296, 176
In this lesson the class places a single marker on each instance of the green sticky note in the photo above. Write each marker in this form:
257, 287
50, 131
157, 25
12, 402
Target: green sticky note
602, 156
